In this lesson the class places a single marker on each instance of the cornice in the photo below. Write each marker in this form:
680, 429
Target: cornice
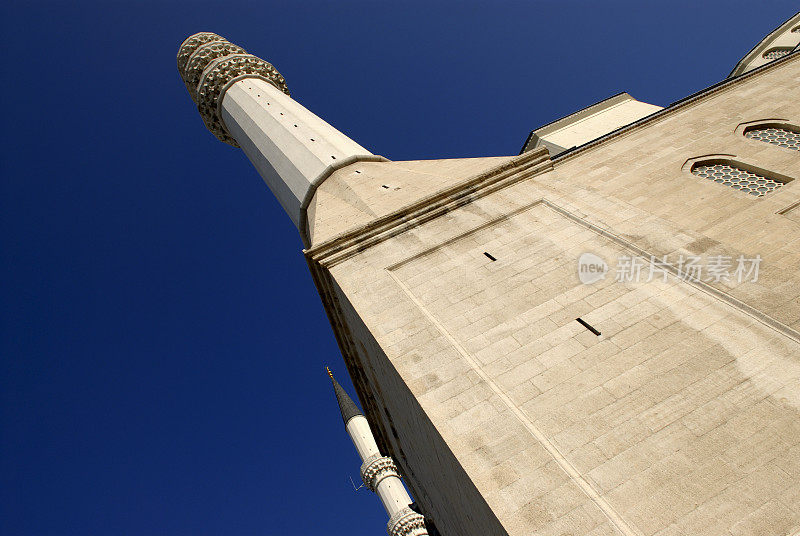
677, 106
344, 245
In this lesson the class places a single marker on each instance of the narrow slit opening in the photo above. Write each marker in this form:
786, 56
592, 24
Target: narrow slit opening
585, 324
489, 256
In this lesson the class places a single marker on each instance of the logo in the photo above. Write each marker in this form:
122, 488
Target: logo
591, 268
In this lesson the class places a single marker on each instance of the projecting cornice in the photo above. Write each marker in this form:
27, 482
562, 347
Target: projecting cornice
209, 65
350, 242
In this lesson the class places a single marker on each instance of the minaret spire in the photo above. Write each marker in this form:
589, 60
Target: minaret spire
346, 404
378, 472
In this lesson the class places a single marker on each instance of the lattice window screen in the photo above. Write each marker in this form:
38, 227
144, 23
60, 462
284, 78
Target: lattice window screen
737, 178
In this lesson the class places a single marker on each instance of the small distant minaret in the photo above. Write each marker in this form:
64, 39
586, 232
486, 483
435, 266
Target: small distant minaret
379, 473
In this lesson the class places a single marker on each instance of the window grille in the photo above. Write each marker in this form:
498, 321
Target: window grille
775, 53
780, 136
739, 179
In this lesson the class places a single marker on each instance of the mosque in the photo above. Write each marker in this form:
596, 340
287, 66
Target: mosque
597, 336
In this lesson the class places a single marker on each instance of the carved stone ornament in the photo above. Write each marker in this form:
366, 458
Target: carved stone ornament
406, 522
209, 65
200, 59
376, 468
192, 43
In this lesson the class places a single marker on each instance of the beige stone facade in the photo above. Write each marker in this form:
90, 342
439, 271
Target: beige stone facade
453, 290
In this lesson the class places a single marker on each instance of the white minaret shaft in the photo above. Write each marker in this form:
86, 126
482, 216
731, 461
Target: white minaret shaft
289, 146
244, 101
377, 469
378, 472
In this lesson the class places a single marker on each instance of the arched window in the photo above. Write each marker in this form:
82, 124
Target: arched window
728, 173
777, 52
781, 135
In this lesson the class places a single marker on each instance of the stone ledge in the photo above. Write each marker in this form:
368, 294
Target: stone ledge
350, 242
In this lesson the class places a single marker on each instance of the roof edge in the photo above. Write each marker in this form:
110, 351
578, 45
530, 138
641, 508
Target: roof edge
719, 86
762, 45
555, 124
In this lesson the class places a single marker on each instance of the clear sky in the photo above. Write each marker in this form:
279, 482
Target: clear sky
161, 341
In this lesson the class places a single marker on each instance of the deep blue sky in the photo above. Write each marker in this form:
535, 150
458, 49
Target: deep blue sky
161, 342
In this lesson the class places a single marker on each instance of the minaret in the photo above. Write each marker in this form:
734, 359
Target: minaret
244, 101
378, 472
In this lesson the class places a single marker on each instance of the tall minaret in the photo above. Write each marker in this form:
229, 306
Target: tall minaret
379, 473
245, 102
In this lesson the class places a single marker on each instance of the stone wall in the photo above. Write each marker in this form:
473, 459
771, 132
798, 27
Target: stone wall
681, 417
